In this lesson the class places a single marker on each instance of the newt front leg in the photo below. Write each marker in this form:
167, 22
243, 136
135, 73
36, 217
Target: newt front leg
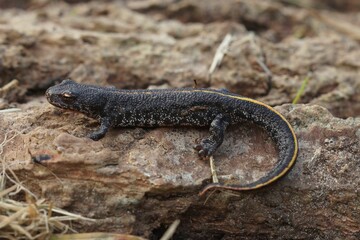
104, 127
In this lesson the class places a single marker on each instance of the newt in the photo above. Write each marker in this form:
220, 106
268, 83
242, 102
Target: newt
195, 107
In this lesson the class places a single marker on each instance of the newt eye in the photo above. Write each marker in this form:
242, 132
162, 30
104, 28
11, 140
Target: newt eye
68, 95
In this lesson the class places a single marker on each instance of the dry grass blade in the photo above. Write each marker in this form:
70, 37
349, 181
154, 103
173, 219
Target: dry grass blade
9, 110
12, 218
7, 191
29, 220
7, 139
260, 58
301, 90
213, 170
20, 230
69, 214
8, 87
171, 230
220, 52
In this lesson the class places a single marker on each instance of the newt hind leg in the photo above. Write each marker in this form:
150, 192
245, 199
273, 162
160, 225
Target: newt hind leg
208, 146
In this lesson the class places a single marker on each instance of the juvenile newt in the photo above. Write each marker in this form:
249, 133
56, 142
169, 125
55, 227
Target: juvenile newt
180, 107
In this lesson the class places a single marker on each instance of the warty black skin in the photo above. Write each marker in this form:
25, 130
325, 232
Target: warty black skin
180, 107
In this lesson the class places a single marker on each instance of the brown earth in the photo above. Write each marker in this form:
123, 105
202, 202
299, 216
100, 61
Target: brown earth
138, 180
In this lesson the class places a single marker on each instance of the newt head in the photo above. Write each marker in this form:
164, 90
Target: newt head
75, 96
63, 95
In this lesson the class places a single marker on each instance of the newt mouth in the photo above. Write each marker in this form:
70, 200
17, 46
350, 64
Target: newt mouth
48, 94
51, 98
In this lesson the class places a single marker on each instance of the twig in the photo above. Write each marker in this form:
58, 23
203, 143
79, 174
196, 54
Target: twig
195, 84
